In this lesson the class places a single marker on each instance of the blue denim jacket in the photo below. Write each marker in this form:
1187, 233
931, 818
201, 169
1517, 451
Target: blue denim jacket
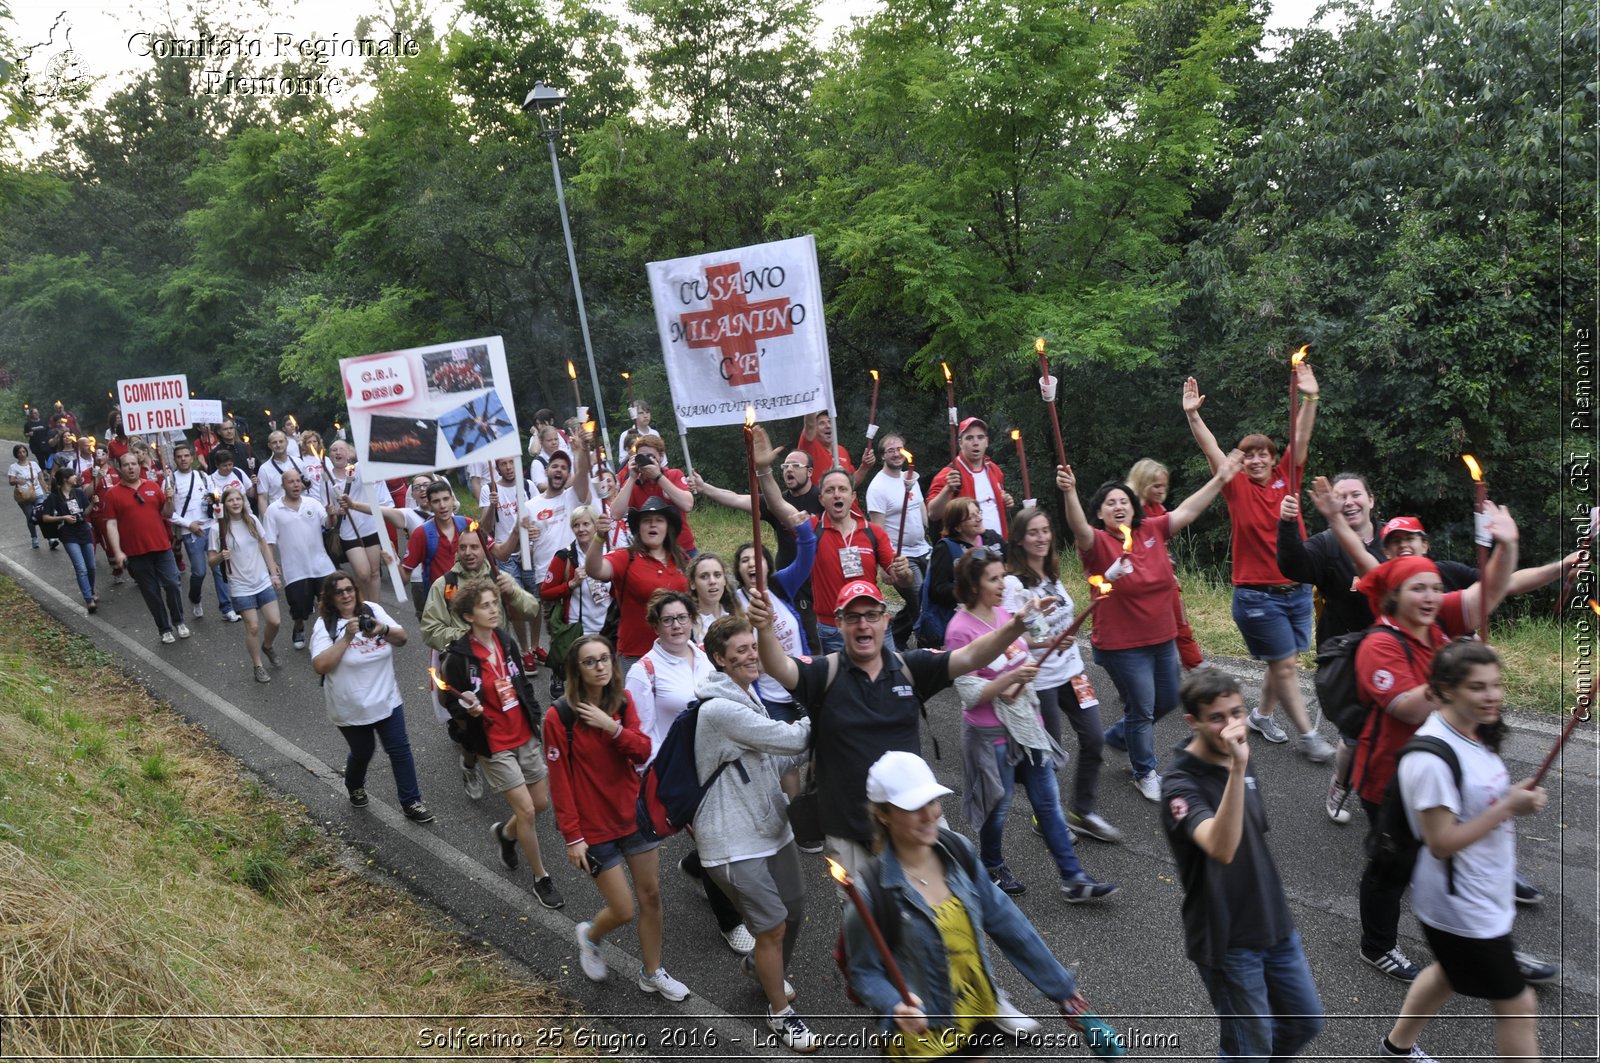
920, 950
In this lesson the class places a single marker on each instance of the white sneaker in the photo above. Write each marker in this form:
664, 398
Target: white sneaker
472, 781
183, 631
740, 940
1415, 1054
1315, 748
232, 617
792, 1031
1149, 786
199, 610
1013, 1021
590, 957
167, 639
1339, 802
1266, 727
663, 983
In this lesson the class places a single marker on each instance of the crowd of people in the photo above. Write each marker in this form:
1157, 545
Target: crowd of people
807, 691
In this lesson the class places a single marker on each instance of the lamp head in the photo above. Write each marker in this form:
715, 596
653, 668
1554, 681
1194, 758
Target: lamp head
543, 97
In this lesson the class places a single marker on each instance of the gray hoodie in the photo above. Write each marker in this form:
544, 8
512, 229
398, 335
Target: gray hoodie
740, 820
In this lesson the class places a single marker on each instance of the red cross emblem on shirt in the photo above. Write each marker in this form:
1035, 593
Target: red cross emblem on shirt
734, 325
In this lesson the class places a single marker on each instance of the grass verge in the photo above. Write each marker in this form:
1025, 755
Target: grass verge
155, 900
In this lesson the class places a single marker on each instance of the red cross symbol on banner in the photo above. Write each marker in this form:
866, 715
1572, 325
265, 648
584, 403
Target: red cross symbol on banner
734, 325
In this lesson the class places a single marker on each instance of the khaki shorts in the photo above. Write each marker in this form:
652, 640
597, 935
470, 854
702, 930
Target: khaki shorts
511, 768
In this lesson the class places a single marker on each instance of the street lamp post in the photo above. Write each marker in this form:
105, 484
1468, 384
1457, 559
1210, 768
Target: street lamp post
547, 102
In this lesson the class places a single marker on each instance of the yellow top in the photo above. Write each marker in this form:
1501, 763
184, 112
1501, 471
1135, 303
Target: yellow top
974, 994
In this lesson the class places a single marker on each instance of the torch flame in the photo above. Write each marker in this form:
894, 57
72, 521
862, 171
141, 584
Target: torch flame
1016, 434
627, 375
1098, 582
588, 426
836, 869
874, 373
350, 469
946, 367
433, 673
572, 371
472, 525
247, 439
1127, 539
1038, 345
267, 412
1472, 467
904, 453
1300, 355
1595, 606
749, 415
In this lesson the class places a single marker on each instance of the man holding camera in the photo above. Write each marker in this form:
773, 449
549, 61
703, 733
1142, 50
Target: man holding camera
194, 497
648, 478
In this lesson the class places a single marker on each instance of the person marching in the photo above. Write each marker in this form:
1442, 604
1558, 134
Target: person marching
137, 511
1149, 480
1461, 886
360, 531
194, 495
237, 547
972, 475
27, 487
294, 528
653, 560
848, 551
889, 504
68, 505
578, 604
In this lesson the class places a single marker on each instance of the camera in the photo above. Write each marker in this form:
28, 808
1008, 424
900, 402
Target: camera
640, 461
367, 624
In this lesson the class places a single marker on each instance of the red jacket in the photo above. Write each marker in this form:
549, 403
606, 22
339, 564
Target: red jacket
996, 476
593, 782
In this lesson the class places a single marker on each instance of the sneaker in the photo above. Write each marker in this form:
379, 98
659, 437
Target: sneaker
1339, 803
1009, 884
1528, 894
747, 965
417, 812
199, 610
1082, 888
663, 983
689, 864
231, 617
118, 579
271, 655
1414, 1053
1315, 748
545, 889
36, 544
590, 957
792, 1031
55, 544
508, 848
167, 638
91, 605
183, 631
1033, 824
1149, 786
1394, 964
1266, 727
1536, 971
298, 639
1094, 825
262, 675
529, 661
472, 780
358, 797
740, 940
1013, 1021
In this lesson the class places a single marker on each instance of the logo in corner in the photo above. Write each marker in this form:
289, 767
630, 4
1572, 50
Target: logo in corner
51, 69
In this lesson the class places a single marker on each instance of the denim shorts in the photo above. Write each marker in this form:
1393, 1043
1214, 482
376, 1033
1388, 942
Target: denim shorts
609, 854
241, 602
1274, 626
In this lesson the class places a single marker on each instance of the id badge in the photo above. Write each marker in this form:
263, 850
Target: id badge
850, 563
1085, 691
508, 694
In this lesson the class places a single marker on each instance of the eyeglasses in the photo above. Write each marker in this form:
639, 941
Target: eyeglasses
594, 662
871, 616
344, 590
675, 620
793, 465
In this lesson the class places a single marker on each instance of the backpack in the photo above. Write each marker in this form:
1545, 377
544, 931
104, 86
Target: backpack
562, 633
882, 906
1337, 689
1391, 846
934, 618
430, 537
670, 791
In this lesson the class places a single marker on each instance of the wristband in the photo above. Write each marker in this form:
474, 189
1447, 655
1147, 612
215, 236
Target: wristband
1312, 398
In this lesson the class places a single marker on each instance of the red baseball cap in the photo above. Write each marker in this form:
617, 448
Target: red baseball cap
858, 588
968, 422
1401, 526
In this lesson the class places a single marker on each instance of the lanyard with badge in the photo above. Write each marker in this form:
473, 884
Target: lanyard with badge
850, 566
498, 673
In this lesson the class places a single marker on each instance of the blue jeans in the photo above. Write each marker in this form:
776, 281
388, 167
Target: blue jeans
392, 733
1044, 794
195, 547
82, 557
1266, 1001
833, 642
1146, 678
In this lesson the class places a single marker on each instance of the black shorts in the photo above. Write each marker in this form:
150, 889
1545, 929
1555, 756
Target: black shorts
365, 540
1485, 968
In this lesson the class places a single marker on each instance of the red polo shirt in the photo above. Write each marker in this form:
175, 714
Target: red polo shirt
1139, 610
821, 460
827, 574
141, 529
1253, 513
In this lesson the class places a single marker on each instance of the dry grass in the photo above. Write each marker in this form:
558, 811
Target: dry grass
155, 900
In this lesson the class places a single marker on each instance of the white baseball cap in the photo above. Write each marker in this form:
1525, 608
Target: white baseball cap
903, 780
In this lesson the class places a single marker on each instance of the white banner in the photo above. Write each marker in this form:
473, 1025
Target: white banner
205, 411
435, 407
743, 327
154, 404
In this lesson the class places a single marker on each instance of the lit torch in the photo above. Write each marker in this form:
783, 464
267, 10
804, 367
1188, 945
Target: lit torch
1098, 583
890, 967
627, 378
1047, 392
1022, 462
438, 681
950, 404
872, 411
1127, 542
1481, 534
1294, 410
755, 494
910, 477
572, 375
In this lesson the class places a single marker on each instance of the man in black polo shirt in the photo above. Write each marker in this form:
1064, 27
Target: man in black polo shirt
1237, 926
872, 706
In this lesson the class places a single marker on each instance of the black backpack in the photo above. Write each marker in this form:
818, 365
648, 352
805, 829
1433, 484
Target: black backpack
1391, 846
1337, 689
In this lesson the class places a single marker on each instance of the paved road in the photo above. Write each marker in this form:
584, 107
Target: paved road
1128, 950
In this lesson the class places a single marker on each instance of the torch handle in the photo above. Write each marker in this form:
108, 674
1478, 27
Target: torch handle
890, 967
1550, 757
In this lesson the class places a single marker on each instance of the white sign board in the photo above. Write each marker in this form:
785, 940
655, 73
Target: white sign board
436, 407
205, 411
743, 327
154, 404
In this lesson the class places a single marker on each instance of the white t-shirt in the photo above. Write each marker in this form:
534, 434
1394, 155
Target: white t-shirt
554, 517
589, 601
298, 536
247, 566
235, 478
355, 524
83, 467
362, 688
270, 475
27, 473
887, 495
1483, 904
509, 499
191, 500
1066, 663
983, 494
319, 479
658, 698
